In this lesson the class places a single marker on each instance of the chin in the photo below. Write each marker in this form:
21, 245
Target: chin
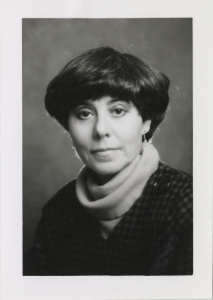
108, 169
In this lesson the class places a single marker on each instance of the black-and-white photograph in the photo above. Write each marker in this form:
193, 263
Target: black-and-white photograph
107, 147
106, 117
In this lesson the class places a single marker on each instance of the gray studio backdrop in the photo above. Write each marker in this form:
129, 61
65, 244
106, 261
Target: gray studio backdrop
49, 161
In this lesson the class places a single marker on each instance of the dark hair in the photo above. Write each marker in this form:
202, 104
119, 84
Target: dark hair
107, 72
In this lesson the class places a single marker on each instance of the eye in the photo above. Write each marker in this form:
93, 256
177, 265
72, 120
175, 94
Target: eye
84, 114
118, 112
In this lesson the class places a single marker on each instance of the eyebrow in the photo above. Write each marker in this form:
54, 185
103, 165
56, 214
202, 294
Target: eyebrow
110, 101
118, 99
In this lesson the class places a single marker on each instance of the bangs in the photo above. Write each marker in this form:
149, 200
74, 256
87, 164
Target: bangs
116, 88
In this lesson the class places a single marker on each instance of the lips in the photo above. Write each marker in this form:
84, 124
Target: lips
104, 152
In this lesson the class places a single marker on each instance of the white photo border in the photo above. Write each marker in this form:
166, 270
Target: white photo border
16, 286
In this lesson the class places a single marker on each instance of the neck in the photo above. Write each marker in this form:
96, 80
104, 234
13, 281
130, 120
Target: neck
113, 199
103, 179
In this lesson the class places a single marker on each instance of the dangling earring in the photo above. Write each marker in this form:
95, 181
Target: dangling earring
144, 138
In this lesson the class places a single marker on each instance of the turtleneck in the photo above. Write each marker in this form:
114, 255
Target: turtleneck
109, 202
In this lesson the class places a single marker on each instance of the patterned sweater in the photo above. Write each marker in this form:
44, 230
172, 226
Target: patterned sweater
155, 237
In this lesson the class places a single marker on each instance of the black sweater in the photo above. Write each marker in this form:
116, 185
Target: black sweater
153, 238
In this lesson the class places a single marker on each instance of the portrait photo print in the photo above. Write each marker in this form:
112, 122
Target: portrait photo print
107, 147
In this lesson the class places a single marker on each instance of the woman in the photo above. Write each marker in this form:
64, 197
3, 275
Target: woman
127, 213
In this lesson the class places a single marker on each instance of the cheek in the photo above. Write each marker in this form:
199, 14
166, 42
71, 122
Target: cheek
78, 139
77, 133
80, 144
132, 134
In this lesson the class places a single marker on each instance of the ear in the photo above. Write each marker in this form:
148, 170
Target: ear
146, 126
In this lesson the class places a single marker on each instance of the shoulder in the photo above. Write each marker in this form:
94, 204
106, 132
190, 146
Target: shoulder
53, 230
170, 192
62, 197
61, 215
171, 180
63, 207
173, 173
172, 216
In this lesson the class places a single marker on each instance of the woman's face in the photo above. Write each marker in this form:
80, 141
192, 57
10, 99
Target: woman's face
107, 133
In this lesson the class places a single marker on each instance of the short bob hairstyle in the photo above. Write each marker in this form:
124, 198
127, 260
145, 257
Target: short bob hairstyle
106, 72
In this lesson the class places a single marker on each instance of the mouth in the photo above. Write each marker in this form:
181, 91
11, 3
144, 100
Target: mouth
104, 151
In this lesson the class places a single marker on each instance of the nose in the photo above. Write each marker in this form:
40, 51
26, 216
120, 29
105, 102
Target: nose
101, 128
